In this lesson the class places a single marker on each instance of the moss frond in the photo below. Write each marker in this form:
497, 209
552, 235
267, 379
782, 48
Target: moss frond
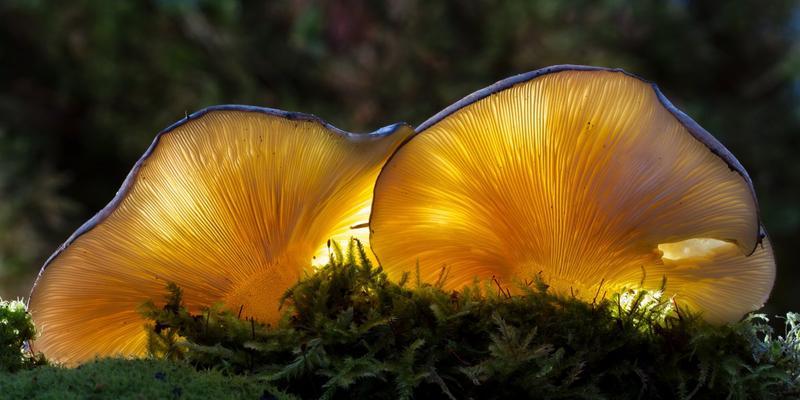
16, 330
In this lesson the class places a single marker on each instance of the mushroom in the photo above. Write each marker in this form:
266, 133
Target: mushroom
587, 176
232, 203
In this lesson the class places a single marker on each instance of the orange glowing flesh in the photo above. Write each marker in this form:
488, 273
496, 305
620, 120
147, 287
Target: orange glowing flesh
579, 176
232, 206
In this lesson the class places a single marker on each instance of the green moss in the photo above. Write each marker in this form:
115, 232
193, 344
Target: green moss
348, 332
129, 379
16, 328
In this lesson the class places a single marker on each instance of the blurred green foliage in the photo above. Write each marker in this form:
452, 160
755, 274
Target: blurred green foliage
85, 85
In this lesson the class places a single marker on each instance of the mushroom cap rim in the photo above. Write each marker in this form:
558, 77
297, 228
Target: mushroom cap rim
698, 132
122, 192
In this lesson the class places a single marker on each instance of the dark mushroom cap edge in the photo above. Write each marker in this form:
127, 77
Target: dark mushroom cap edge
132, 175
697, 131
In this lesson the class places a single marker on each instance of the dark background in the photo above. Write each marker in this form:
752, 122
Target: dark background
85, 85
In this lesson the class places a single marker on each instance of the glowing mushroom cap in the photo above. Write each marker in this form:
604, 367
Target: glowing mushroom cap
587, 176
232, 204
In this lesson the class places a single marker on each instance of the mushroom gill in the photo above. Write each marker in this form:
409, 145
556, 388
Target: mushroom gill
232, 204
586, 176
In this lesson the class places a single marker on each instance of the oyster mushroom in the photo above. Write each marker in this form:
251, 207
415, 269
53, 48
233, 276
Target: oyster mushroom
587, 176
232, 203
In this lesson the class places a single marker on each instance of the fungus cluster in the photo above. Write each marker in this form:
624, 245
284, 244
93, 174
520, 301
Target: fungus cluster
585, 176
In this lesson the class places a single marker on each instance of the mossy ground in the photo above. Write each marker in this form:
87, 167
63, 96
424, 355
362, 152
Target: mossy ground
348, 332
128, 379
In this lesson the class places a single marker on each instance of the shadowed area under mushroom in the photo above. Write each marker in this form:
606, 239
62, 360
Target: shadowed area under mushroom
577, 174
231, 204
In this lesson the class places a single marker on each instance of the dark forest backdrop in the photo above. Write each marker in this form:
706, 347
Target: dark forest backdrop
85, 85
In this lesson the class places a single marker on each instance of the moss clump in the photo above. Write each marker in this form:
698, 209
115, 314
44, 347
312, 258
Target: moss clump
16, 328
348, 332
